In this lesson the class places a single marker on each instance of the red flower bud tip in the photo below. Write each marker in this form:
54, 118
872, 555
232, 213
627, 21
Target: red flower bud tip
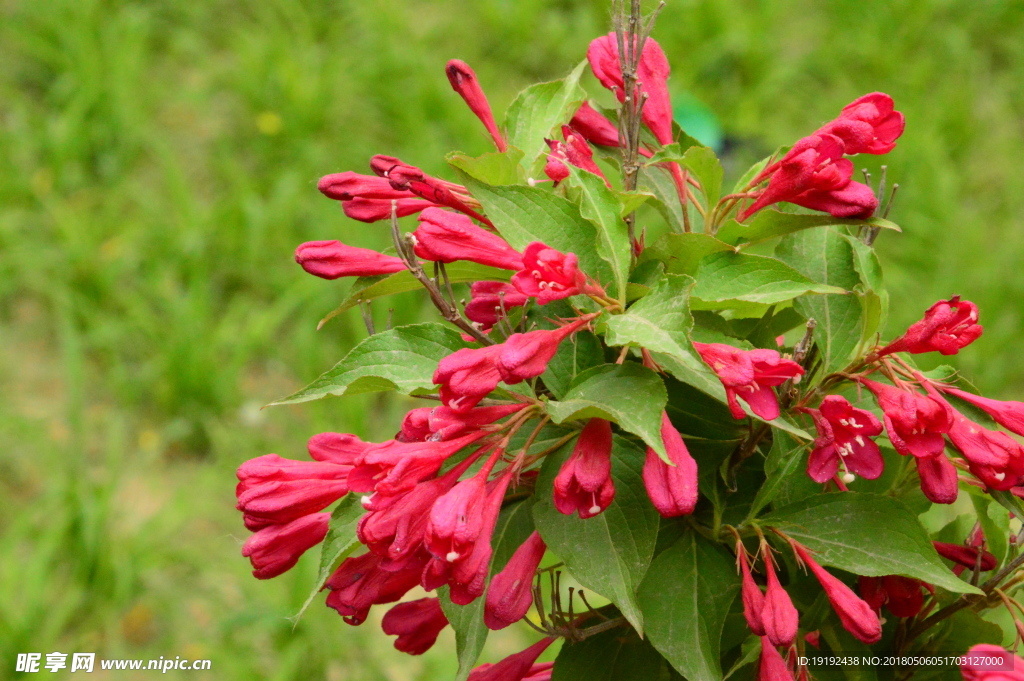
275, 490
772, 666
416, 624
753, 598
518, 667
915, 423
652, 73
948, 326
510, 593
938, 478
855, 614
584, 482
778, 616
671, 489
443, 236
275, 549
348, 186
1009, 415
549, 275
359, 583
339, 448
488, 299
375, 210
526, 355
867, 125
750, 375
965, 555
333, 259
393, 466
901, 595
813, 638
985, 662
814, 174
443, 423
844, 436
464, 81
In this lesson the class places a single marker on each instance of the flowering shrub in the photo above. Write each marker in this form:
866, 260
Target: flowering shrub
658, 409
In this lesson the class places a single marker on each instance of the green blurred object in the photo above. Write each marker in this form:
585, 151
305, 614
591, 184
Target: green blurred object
697, 120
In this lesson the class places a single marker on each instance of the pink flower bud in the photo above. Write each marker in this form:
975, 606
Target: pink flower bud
753, 598
1009, 415
375, 210
750, 375
915, 423
772, 666
856, 615
510, 593
938, 478
359, 583
517, 667
948, 326
393, 466
550, 275
584, 482
405, 177
339, 448
464, 82
867, 125
652, 74
443, 423
467, 376
672, 489
348, 185
844, 435
416, 624
275, 549
594, 127
966, 556
333, 259
276, 490
986, 662
526, 355
446, 237
779, 617
488, 298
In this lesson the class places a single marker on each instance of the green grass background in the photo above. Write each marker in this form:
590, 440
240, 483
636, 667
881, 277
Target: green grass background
158, 163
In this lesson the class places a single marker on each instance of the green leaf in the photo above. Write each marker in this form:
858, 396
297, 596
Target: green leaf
402, 359
754, 170
610, 552
494, 168
769, 224
783, 460
538, 112
575, 355
1010, 502
873, 296
752, 278
704, 165
660, 321
611, 656
523, 214
659, 183
995, 523
515, 523
603, 208
866, 534
370, 288
685, 598
682, 253
628, 394
825, 256
340, 541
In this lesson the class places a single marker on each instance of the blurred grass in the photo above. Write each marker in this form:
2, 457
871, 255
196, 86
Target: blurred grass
158, 164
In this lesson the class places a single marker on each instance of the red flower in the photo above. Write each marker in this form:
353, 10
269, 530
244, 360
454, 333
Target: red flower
1009, 415
948, 326
510, 593
985, 662
584, 483
416, 624
526, 355
517, 667
410, 178
359, 583
339, 448
549, 275
914, 422
467, 376
443, 423
778, 616
938, 478
574, 150
844, 434
333, 259
901, 595
652, 74
275, 549
772, 666
753, 598
867, 125
391, 467
464, 81
967, 556
672, 489
856, 615
594, 127
749, 374
443, 236
994, 457
349, 185
375, 210
275, 490
488, 298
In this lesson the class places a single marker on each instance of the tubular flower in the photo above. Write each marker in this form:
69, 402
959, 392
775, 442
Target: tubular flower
844, 436
360, 583
778, 616
772, 666
375, 210
518, 667
349, 185
814, 174
671, 489
574, 150
750, 375
652, 74
410, 178
855, 614
275, 490
443, 236
901, 595
980, 664
915, 423
488, 300
393, 466
339, 448
416, 624
510, 593
443, 423
753, 598
967, 556
867, 125
464, 82
467, 376
549, 275
594, 127
947, 327
584, 482
938, 478
333, 259
526, 355
275, 549
1009, 415
994, 457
